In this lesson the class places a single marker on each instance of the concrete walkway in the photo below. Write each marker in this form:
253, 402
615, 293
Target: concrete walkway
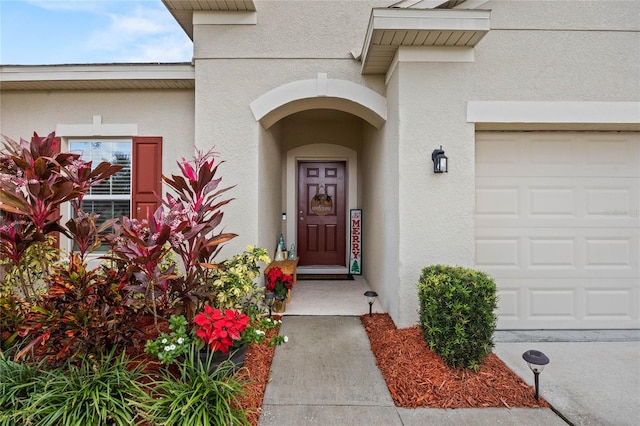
327, 375
589, 383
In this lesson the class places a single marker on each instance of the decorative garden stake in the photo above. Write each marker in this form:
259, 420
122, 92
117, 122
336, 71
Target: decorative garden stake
371, 295
536, 361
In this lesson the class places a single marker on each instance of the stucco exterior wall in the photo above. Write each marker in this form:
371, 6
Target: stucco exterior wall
270, 195
310, 29
553, 51
381, 223
224, 119
169, 114
518, 60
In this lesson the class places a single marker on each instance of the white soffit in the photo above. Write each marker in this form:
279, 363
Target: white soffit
182, 10
392, 28
97, 77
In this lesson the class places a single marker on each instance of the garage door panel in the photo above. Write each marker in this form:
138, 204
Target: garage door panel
558, 203
610, 304
557, 303
557, 226
560, 154
562, 253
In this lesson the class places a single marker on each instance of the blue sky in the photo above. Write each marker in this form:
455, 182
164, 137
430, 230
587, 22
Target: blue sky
34, 32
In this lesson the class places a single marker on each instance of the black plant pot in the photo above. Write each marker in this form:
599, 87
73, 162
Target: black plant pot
211, 362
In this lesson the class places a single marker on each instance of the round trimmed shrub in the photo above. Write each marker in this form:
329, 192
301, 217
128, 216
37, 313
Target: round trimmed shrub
457, 316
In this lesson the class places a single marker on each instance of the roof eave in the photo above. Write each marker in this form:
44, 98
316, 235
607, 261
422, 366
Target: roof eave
182, 10
391, 28
97, 77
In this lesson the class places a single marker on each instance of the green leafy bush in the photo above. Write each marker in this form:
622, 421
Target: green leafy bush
457, 313
17, 382
102, 391
197, 397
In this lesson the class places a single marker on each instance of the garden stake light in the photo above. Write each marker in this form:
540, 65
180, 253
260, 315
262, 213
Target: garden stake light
371, 295
269, 298
536, 361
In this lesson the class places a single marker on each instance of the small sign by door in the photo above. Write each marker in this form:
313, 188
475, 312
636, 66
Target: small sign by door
355, 253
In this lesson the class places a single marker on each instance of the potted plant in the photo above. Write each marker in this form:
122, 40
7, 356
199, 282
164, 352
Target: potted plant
217, 335
279, 283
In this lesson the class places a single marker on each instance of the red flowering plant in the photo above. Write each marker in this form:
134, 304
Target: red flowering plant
220, 330
279, 282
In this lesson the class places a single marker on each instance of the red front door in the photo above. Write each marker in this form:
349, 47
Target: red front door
321, 213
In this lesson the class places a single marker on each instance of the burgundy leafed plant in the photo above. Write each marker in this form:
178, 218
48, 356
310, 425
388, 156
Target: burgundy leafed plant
35, 179
194, 216
140, 246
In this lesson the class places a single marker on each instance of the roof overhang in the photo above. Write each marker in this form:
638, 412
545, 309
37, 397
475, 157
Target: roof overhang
97, 77
391, 28
182, 10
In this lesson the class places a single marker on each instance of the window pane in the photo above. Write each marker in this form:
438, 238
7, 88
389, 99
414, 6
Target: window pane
116, 152
107, 209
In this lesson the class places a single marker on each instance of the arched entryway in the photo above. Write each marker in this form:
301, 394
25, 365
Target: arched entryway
319, 128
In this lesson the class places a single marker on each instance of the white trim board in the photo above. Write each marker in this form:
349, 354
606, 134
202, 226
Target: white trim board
553, 112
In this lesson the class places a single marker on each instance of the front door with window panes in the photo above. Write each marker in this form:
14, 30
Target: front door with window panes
110, 198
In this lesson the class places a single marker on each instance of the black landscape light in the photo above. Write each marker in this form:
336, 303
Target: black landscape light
269, 298
536, 361
371, 295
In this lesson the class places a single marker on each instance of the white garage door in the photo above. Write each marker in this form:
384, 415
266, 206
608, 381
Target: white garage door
557, 226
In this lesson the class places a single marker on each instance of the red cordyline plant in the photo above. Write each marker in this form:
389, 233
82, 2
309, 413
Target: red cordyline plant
279, 282
220, 330
140, 247
194, 215
35, 179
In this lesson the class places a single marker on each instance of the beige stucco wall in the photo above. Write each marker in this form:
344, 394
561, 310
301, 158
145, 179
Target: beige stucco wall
563, 64
157, 113
412, 217
236, 64
271, 192
381, 221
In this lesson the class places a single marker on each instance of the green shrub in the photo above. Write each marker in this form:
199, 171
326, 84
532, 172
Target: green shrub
457, 313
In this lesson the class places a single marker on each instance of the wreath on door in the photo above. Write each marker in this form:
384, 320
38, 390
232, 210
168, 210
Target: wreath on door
321, 203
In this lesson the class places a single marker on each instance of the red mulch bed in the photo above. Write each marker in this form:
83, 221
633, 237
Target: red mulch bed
417, 377
257, 363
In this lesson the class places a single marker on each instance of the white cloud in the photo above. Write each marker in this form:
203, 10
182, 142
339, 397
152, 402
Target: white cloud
164, 49
145, 34
75, 5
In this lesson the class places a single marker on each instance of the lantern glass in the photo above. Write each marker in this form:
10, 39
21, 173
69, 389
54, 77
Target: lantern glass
440, 161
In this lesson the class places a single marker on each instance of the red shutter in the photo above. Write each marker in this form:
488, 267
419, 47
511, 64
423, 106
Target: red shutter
146, 172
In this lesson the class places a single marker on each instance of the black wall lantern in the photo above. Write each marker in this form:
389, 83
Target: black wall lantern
439, 161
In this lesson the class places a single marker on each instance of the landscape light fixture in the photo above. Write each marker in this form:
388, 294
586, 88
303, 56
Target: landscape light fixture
536, 361
439, 161
269, 298
371, 295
